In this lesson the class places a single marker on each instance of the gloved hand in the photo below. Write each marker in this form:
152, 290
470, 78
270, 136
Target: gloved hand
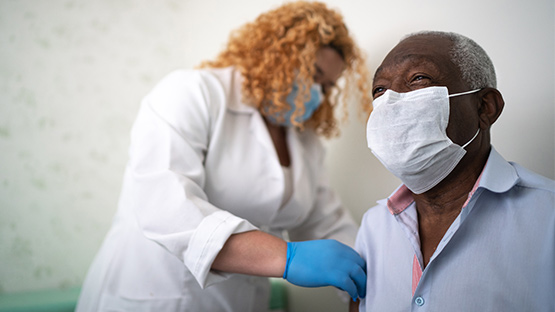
326, 263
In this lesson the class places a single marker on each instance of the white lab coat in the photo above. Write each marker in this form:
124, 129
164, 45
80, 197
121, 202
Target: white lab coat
202, 167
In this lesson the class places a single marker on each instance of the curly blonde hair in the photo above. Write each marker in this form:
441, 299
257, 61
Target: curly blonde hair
279, 48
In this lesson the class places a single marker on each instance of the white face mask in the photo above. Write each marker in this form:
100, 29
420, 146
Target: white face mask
407, 133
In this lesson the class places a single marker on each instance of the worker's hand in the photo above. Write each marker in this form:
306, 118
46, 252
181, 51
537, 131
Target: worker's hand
326, 263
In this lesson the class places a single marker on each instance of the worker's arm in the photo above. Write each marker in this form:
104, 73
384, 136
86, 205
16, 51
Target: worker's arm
353, 306
313, 263
253, 253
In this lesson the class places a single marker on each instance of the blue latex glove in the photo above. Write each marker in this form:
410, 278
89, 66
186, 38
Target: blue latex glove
326, 263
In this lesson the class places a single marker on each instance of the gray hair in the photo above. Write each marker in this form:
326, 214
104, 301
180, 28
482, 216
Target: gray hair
475, 65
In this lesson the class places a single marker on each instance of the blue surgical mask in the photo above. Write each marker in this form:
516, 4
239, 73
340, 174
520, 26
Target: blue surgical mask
316, 98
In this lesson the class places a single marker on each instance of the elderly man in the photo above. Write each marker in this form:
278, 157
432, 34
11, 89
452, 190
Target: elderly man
467, 230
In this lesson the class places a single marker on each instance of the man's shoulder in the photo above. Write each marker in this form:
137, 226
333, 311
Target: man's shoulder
526, 191
377, 214
533, 180
504, 177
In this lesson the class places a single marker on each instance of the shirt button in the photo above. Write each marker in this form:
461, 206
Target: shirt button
419, 301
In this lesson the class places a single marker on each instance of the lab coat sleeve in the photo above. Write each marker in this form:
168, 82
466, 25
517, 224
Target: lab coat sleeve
169, 141
328, 218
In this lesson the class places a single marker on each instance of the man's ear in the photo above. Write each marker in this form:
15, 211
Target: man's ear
491, 106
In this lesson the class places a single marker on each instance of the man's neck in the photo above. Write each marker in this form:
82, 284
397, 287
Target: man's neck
451, 193
440, 206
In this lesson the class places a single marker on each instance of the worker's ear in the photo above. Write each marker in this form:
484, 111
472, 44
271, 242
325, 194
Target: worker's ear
491, 106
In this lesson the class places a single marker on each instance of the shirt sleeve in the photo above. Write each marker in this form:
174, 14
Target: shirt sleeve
360, 243
169, 142
361, 246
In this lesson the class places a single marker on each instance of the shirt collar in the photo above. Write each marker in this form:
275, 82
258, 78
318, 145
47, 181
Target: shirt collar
498, 176
399, 200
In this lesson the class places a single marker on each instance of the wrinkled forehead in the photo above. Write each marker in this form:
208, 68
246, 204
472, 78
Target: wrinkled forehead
431, 51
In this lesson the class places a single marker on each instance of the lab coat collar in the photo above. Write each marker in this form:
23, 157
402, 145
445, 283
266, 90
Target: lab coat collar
231, 78
235, 84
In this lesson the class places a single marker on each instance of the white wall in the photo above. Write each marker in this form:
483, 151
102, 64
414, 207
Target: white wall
72, 74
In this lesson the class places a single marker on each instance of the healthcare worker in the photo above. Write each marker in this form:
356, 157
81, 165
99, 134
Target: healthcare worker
225, 161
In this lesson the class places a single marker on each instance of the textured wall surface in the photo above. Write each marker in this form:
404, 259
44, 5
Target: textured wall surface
72, 74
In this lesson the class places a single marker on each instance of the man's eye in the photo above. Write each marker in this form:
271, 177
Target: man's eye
378, 91
419, 78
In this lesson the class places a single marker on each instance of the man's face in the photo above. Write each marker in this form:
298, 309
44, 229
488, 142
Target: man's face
424, 61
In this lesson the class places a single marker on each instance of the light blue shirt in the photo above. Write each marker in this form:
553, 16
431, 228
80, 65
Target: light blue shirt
498, 255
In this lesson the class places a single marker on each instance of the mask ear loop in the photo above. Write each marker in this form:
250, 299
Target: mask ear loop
467, 143
464, 93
